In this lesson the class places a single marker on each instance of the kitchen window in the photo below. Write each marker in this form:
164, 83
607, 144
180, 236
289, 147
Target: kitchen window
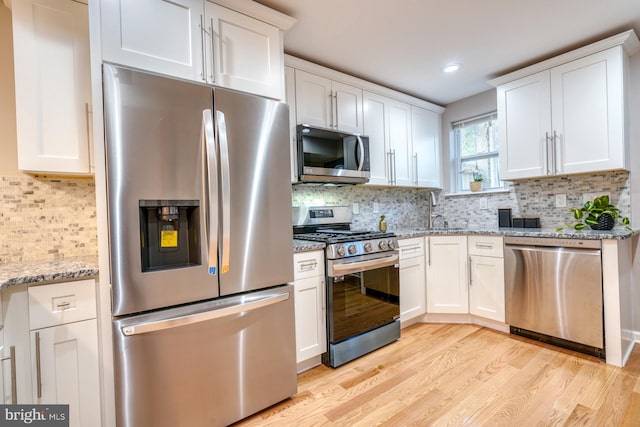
476, 147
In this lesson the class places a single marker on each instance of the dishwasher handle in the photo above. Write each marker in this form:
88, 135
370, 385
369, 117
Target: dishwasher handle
162, 324
585, 251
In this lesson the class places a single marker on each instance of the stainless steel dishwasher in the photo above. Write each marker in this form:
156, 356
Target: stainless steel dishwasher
554, 291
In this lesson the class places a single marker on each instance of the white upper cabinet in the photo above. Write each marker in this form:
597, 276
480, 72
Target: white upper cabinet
245, 54
567, 114
425, 136
328, 104
199, 41
376, 128
155, 35
52, 81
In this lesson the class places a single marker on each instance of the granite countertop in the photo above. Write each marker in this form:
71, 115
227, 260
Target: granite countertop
35, 272
307, 246
616, 233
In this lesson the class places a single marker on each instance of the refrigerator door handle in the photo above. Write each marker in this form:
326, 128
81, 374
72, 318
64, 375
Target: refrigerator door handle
210, 186
226, 192
190, 319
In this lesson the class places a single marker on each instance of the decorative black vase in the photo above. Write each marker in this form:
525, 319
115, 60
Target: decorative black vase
605, 222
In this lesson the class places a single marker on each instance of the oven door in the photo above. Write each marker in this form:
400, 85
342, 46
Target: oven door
363, 294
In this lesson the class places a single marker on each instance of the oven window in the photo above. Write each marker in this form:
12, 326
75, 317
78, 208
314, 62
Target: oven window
362, 301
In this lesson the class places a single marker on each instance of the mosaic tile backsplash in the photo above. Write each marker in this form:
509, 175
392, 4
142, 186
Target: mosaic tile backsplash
407, 208
47, 219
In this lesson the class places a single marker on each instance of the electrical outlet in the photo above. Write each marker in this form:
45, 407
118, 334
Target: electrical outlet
376, 207
355, 208
561, 200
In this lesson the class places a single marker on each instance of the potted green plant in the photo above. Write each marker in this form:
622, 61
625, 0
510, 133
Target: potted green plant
599, 214
476, 184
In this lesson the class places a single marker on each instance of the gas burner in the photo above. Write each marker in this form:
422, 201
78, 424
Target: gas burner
342, 236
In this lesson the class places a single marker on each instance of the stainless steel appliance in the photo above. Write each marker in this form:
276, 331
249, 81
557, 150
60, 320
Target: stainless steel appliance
200, 239
363, 285
329, 156
554, 291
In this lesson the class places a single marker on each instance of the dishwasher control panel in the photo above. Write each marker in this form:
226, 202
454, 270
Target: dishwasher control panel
553, 242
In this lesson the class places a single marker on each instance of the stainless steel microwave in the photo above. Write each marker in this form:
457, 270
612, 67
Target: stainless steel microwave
329, 156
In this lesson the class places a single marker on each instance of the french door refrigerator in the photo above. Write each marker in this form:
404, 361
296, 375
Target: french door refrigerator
199, 203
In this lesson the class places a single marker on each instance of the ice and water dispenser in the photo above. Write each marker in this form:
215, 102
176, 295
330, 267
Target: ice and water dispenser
169, 234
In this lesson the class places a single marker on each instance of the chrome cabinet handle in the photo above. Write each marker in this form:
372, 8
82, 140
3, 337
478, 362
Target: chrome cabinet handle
163, 324
38, 368
429, 248
210, 188
203, 73
212, 73
331, 109
548, 152
415, 161
335, 105
14, 382
470, 275
226, 192
484, 246
390, 177
393, 153
555, 152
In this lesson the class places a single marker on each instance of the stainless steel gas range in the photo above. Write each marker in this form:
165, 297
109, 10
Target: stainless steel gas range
363, 286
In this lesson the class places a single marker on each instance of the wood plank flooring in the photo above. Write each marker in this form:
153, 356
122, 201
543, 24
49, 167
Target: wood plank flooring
463, 375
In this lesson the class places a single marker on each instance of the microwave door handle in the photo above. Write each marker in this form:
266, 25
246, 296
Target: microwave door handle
360, 153
226, 191
210, 188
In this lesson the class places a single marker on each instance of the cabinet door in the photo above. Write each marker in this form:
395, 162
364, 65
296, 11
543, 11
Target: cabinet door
52, 78
587, 113
412, 288
524, 115
310, 318
375, 127
447, 290
157, 35
290, 97
247, 53
347, 108
399, 123
313, 100
65, 370
425, 136
486, 287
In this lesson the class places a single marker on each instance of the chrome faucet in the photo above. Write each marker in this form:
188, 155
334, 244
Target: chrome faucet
432, 219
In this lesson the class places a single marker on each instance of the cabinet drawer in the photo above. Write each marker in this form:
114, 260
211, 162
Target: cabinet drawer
308, 264
485, 246
61, 303
411, 248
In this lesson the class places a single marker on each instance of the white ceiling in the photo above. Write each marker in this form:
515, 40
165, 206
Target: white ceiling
404, 44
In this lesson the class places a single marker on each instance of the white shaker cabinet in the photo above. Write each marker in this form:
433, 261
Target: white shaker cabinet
310, 305
447, 275
328, 104
567, 118
486, 284
198, 40
412, 278
425, 137
387, 122
52, 82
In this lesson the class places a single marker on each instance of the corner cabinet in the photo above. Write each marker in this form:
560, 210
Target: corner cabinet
447, 275
52, 82
486, 281
310, 305
200, 41
412, 278
568, 118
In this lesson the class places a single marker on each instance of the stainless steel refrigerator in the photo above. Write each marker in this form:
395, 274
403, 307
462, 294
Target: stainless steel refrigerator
199, 201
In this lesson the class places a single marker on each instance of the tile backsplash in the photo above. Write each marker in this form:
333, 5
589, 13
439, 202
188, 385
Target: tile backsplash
407, 208
46, 219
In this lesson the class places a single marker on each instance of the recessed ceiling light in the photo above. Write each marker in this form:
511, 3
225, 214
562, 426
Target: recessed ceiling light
451, 68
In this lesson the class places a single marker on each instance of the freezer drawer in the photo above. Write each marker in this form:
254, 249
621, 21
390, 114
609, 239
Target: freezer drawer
207, 364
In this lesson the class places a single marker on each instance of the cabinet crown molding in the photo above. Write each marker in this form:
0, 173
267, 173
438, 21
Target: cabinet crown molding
628, 40
257, 11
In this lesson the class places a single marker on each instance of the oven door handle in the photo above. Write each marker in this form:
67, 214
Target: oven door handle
358, 266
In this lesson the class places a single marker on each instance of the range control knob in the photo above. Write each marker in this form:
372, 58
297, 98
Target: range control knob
352, 249
382, 245
340, 250
367, 247
391, 244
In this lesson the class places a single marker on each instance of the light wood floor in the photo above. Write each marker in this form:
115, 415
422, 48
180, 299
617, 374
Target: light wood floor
455, 375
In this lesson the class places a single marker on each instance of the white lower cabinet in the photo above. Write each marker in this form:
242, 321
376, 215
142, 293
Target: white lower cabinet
486, 284
64, 370
447, 289
310, 305
412, 278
